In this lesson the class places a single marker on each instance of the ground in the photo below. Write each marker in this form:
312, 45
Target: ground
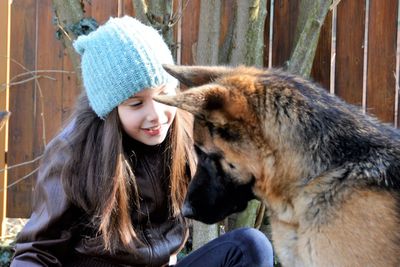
13, 226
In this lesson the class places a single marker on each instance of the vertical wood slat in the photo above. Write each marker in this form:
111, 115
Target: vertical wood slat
21, 123
267, 33
350, 50
381, 82
101, 10
190, 29
227, 23
4, 79
321, 70
284, 28
49, 57
70, 87
398, 70
128, 8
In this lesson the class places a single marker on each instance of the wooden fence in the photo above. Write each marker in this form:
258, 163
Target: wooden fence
357, 59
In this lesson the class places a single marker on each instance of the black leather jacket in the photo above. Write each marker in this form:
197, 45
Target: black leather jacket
58, 234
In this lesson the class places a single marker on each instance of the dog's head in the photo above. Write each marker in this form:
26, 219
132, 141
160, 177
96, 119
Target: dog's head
227, 136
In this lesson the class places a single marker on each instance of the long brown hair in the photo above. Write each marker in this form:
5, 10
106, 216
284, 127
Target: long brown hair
99, 179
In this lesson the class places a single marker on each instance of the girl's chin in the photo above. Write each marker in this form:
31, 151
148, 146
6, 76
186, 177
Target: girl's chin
152, 139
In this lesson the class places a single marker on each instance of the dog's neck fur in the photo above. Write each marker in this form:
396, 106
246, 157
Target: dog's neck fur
313, 134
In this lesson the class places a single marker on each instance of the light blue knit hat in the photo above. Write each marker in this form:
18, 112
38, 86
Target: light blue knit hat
119, 59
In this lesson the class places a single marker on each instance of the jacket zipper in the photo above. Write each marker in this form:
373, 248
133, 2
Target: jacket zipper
153, 181
148, 245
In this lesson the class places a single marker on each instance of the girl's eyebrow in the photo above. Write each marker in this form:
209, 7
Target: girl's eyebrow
157, 89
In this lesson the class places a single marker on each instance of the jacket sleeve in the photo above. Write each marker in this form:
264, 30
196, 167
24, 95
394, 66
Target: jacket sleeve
47, 236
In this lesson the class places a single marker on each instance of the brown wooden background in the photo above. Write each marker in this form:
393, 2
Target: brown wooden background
356, 59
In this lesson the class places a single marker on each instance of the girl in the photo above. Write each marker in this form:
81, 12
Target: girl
111, 184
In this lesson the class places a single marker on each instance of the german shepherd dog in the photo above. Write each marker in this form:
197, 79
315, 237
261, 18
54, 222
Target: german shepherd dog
328, 174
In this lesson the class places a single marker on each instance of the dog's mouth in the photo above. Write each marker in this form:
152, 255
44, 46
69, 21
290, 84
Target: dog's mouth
210, 204
214, 214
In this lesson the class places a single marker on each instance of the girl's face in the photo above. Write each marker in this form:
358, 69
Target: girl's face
146, 120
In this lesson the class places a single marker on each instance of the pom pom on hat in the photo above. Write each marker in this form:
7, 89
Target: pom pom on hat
119, 59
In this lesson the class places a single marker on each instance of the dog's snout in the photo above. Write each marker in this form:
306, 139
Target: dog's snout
187, 210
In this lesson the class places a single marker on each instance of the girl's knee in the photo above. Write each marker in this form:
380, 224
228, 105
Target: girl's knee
256, 246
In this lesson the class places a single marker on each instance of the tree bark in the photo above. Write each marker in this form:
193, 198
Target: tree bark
69, 12
207, 54
209, 33
249, 33
248, 48
247, 218
140, 8
243, 44
303, 55
159, 15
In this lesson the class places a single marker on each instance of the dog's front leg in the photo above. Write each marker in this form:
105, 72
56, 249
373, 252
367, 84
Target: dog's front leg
285, 240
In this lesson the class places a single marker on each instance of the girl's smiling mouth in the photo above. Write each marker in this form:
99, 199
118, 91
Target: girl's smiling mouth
153, 131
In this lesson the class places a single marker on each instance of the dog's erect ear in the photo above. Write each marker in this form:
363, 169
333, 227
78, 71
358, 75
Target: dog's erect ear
196, 75
207, 102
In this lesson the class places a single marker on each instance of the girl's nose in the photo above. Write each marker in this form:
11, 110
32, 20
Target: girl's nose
154, 111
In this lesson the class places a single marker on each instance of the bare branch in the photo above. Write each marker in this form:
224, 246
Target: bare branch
22, 164
4, 115
20, 179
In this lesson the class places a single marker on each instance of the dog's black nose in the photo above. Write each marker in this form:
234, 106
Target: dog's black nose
187, 210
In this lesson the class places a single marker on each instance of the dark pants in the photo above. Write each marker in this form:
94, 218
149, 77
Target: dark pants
243, 247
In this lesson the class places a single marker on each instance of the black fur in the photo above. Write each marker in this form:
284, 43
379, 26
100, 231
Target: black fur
223, 196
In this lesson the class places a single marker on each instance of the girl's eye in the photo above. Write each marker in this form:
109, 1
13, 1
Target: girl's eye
134, 103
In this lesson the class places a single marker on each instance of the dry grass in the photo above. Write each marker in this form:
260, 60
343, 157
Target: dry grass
13, 227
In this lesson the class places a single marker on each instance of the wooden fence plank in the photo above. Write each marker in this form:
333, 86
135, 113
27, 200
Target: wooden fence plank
267, 33
102, 10
49, 57
284, 28
350, 51
128, 8
4, 95
190, 29
227, 23
48, 96
23, 50
381, 83
321, 70
70, 87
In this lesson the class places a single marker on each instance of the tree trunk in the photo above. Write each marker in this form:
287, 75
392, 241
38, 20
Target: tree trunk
207, 54
243, 44
248, 41
159, 15
247, 218
311, 18
69, 12
209, 33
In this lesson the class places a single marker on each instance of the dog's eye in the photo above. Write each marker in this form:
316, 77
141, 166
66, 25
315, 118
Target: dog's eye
231, 166
224, 132
228, 134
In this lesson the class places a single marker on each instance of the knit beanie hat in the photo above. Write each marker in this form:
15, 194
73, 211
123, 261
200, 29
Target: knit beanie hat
119, 59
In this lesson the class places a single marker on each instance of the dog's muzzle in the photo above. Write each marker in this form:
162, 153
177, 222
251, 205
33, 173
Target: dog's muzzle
187, 211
